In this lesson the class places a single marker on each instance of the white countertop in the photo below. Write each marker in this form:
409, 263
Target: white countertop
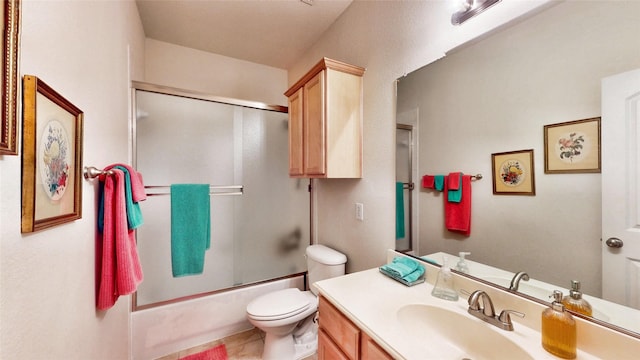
371, 301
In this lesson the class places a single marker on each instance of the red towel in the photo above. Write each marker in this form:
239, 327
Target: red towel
121, 272
454, 180
457, 216
428, 181
107, 295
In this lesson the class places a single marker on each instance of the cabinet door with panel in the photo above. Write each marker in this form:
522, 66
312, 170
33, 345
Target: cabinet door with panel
314, 132
372, 351
339, 329
326, 105
327, 349
296, 134
339, 338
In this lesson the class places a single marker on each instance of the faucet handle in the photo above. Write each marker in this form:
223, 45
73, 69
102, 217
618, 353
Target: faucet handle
505, 318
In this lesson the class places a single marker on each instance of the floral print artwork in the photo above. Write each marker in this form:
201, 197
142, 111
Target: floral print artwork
54, 159
512, 173
570, 148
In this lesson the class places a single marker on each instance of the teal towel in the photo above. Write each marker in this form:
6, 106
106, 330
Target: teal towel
190, 228
438, 182
404, 268
455, 196
399, 210
134, 214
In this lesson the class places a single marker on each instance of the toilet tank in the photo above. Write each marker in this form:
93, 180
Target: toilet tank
324, 263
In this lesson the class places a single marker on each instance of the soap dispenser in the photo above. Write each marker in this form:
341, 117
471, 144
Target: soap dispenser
443, 288
462, 264
559, 329
575, 302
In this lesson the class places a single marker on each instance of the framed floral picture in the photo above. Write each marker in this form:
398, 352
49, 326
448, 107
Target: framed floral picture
513, 173
572, 147
51, 158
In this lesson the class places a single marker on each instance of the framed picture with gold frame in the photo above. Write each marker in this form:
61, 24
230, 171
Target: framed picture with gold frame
572, 147
10, 47
513, 173
51, 158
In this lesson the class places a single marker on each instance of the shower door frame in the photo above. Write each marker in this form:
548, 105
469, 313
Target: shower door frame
410, 186
167, 90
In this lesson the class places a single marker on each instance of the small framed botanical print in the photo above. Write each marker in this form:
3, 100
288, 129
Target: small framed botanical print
572, 147
513, 173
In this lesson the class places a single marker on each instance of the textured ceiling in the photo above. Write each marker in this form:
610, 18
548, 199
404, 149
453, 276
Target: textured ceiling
269, 32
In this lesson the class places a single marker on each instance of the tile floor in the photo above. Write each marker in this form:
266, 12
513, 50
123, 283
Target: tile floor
243, 346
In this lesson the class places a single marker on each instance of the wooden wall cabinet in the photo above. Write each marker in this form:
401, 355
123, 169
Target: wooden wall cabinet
340, 339
325, 122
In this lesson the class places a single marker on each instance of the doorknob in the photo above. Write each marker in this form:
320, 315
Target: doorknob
614, 242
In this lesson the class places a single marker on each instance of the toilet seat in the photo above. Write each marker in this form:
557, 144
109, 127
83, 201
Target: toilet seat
280, 304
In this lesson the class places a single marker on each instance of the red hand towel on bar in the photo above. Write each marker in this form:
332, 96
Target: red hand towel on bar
457, 216
428, 181
454, 180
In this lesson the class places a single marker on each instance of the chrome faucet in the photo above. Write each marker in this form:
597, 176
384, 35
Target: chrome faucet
481, 306
515, 282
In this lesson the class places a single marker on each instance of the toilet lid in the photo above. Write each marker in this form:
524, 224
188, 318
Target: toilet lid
278, 304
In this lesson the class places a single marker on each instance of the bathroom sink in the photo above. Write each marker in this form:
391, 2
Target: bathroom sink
451, 335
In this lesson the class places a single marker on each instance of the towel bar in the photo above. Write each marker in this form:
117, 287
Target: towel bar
92, 172
239, 190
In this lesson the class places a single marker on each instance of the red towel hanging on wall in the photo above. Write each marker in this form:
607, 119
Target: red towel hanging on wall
457, 215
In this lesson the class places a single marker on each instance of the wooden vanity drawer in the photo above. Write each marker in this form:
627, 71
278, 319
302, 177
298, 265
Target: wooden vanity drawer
340, 329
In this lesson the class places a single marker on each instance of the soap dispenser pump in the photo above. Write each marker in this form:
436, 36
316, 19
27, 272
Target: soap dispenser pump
443, 288
462, 264
559, 329
575, 302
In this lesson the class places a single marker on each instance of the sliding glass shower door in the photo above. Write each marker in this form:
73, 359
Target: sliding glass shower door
259, 216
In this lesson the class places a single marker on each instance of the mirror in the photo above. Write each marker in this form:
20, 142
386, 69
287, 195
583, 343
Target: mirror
495, 95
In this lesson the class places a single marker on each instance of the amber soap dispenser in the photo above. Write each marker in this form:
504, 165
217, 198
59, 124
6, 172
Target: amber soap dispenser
559, 329
575, 302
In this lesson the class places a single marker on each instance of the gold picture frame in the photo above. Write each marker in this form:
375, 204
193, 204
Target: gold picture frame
513, 173
52, 130
572, 147
10, 48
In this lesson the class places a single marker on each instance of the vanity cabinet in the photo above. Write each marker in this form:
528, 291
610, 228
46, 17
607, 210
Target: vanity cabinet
325, 122
339, 338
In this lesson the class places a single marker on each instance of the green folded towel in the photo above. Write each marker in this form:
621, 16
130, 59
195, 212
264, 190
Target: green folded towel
438, 182
134, 214
400, 210
190, 228
403, 268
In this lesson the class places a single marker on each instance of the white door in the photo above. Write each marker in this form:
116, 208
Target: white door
621, 188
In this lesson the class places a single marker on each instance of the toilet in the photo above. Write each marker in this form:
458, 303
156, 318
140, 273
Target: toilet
288, 316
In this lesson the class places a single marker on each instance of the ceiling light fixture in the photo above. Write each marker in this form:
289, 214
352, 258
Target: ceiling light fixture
470, 8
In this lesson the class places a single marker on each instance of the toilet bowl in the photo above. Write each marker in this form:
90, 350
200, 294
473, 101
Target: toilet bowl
278, 314
288, 316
